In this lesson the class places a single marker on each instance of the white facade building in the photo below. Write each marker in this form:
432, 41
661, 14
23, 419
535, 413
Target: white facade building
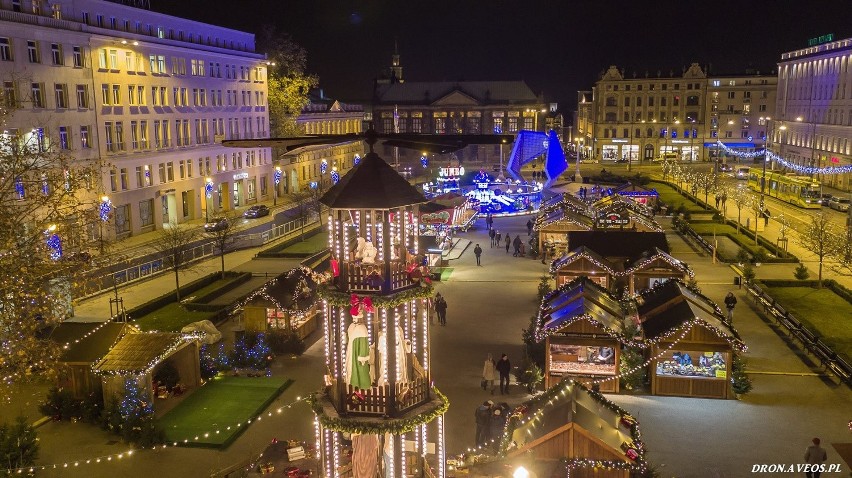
147, 94
814, 107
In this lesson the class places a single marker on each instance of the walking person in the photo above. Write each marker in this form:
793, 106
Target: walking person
492, 234
497, 238
441, 309
815, 456
718, 198
765, 216
730, 303
488, 372
489, 220
504, 367
724, 200
483, 418
517, 244
529, 227
508, 241
477, 251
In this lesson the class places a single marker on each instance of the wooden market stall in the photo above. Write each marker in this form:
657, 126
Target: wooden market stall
286, 302
82, 344
691, 343
581, 325
138, 356
568, 430
584, 262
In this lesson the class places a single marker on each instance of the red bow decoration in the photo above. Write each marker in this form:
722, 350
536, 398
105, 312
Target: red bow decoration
357, 303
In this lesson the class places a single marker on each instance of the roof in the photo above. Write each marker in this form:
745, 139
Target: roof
86, 342
671, 304
482, 91
570, 403
281, 291
372, 184
654, 254
139, 353
618, 243
579, 253
580, 299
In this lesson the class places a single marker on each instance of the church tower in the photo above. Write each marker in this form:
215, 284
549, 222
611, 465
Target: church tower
396, 68
378, 401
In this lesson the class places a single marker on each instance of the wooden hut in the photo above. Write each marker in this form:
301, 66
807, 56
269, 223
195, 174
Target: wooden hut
137, 356
567, 431
83, 344
286, 302
691, 342
581, 325
584, 262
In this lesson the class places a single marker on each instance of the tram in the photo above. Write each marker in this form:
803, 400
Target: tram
800, 191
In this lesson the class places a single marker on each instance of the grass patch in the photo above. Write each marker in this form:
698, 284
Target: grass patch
446, 272
672, 198
707, 228
170, 318
222, 402
822, 311
310, 245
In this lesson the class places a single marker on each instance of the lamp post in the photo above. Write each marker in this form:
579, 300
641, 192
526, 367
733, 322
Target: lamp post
578, 141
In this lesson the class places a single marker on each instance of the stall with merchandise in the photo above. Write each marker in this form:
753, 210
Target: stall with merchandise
691, 343
286, 302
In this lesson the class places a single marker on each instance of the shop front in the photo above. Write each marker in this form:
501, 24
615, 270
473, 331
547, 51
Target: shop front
692, 344
581, 323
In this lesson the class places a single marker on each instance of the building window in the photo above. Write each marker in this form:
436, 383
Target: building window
113, 180
513, 125
134, 135
162, 172
84, 137
146, 216
170, 169
108, 139
56, 54
32, 52
122, 219
143, 134
10, 97
131, 95
123, 177
64, 141
5, 49
37, 95
182, 168
116, 94
77, 53
61, 95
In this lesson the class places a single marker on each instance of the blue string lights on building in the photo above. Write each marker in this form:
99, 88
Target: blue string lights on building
323, 166
19, 187
830, 170
276, 177
54, 244
208, 189
105, 209
335, 176
424, 161
356, 160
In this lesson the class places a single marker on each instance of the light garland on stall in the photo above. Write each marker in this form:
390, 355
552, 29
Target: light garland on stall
559, 263
118, 456
176, 344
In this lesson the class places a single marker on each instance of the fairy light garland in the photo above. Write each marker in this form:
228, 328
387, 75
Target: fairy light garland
174, 346
391, 425
162, 446
827, 170
561, 262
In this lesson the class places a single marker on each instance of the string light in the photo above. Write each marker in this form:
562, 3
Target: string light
828, 170
638, 265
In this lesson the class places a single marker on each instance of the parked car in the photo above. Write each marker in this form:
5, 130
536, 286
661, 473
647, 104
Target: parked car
825, 198
839, 204
258, 210
216, 224
742, 173
725, 168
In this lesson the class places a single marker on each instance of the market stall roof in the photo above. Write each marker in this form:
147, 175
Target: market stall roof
563, 215
580, 253
283, 291
653, 254
86, 342
671, 304
570, 405
618, 243
136, 354
580, 299
617, 202
373, 184
563, 200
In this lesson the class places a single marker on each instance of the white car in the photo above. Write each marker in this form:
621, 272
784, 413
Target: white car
839, 204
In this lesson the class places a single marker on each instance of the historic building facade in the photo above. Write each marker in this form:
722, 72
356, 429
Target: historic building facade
674, 117
146, 94
814, 104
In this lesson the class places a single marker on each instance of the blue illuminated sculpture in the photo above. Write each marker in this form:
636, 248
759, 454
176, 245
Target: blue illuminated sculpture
531, 144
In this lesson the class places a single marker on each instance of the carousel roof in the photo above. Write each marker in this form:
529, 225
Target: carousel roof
671, 304
373, 184
580, 299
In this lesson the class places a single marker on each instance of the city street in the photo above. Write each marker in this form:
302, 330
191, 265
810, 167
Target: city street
488, 307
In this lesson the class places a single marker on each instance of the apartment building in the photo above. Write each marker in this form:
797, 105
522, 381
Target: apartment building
146, 94
678, 117
814, 104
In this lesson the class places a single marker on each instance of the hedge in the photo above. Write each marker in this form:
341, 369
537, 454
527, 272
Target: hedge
831, 284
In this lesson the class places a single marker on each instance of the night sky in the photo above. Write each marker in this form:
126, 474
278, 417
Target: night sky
558, 47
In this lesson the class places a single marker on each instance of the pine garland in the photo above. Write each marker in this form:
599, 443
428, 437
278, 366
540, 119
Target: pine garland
342, 299
392, 426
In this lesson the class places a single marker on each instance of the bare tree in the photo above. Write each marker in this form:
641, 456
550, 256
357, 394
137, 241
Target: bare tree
823, 238
174, 244
742, 199
306, 202
225, 237
706, 182
43, 195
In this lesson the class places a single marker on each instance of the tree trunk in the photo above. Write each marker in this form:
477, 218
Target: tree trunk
222, 256
739, 219
819, 277
177, 284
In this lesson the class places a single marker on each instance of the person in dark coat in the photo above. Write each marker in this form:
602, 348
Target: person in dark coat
730, 303
496, 425
441, 309
529, 227
483, 420
492, 234
517, 243
504, 366
508, 241
477, 251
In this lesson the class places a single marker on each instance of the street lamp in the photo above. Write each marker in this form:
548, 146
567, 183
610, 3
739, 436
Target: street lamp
578, 177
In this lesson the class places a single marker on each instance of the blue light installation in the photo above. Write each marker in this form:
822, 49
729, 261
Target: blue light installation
45, 186
208, 189
54, 244
19, 187
104, 209
424, 161
323, 166
531, 144
555, 162
314, 185
357, 160
276, 177
335, 176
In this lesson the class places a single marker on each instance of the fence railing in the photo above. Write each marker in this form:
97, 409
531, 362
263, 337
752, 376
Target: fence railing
148, 269
811, 342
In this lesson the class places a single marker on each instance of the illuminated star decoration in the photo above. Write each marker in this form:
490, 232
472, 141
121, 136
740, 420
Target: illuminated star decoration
277, 177
323, 166
104, 209
424, 161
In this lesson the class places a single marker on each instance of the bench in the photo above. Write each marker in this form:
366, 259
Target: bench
823, 353
805, 336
